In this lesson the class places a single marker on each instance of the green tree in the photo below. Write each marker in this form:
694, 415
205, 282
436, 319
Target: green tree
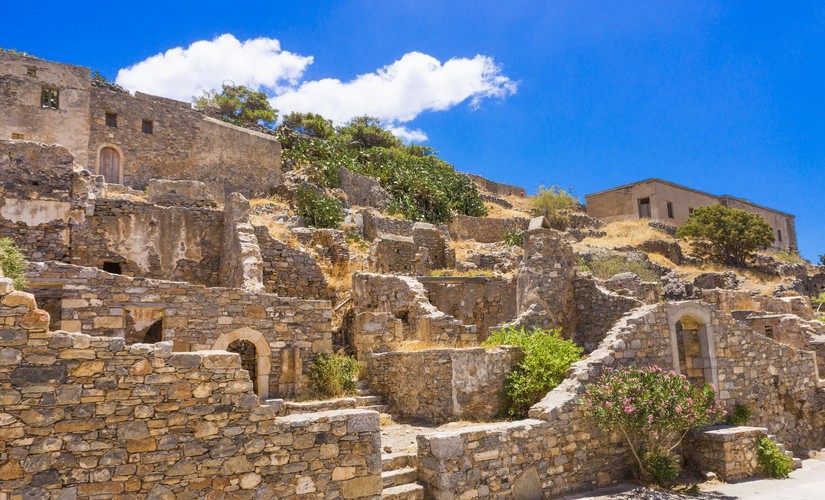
310, 124
734, 235
554, 203
822, 260
367, 132
239, 104
12, 263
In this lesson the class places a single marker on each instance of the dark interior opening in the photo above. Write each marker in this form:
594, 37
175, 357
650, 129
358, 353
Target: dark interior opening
112, 267
154, 333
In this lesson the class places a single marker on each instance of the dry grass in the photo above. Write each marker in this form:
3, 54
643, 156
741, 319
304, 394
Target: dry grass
277, 230
498, 212
423, 345
755, 281
463, 248
627, 232
272, 200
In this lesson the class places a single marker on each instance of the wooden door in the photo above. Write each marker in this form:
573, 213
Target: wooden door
110, 165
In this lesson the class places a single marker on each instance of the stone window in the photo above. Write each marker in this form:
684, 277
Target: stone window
669, 210
31, 71
49, 98
148, 127
113, 267
769, 331
779, 233
19, 137
111, 119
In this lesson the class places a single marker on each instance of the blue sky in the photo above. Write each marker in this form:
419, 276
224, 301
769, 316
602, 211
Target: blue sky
725, 97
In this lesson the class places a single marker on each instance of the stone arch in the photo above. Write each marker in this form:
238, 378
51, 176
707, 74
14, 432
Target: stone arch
263, 353
121, 166
693, 317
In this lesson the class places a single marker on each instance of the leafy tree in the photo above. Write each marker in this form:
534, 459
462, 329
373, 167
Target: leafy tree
367, 132
310, 124
12, 263
553, 203
239, 105
822, 260
734, 235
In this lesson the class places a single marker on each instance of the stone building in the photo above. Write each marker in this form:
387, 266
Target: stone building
129, 139
671, 203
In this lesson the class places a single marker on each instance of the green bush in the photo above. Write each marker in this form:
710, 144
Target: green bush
740, 415
514, 238
333, 374
12, 262
818, 300
318, 210
770, 458
553, 203
733, 235
653, 409
547, 357
607, 267
789, 256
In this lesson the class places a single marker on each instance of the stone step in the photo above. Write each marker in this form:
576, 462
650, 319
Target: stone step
378, 408
368, 400
276, 404
411, 491
398, 477
393, 461
292, 407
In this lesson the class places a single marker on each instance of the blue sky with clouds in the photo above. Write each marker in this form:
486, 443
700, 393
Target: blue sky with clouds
725, 97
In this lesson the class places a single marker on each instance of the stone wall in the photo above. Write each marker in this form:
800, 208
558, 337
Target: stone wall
183, 144
89, 417
443, 385
363, 190
173, 243
730, 452
485, 229
597, 310
424, 250
376, 225
485, 302
287, 332
290, 272
497, 187
390, 309
183, 193
242, 264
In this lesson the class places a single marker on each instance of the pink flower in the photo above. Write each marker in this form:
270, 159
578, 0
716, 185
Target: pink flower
678, 409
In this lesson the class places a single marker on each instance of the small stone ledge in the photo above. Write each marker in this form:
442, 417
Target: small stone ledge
726, 433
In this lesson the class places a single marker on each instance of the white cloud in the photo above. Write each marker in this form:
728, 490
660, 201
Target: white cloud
396, 93
401, 91
182, 73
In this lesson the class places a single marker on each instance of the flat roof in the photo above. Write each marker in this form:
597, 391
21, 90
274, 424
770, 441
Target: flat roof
679, 186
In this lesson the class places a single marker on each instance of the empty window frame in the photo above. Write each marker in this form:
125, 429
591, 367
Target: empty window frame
113, 267
31, 71
670, 210
49, 98
147, 127
111, 119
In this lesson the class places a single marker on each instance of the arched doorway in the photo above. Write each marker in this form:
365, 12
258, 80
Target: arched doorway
262, 356
692, 342
249, 359
109, 165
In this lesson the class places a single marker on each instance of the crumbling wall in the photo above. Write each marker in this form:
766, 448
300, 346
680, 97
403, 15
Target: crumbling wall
423, 251
485, 229
173, 243
290, 272
241, 261
89, 417
497, 187
376, 225
485, 302
390, 308
183, 145
443, 385
597, 310
183, 193
196, 317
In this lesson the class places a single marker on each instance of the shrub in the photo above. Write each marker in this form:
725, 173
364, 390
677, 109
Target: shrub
514, 238
789, 256
318, 210
734, 235
770, 458
12, 262
740, 415
818, 300
553, 203
609, 266
653, 409
662, 468
547, 357
333, 374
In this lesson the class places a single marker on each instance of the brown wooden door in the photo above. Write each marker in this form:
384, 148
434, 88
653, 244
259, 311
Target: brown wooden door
110, 165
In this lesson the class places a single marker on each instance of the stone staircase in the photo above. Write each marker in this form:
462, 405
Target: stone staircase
399, 473
363, 400
797, 462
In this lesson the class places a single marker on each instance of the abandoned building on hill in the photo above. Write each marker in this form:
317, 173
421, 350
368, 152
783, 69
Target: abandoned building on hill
671, 203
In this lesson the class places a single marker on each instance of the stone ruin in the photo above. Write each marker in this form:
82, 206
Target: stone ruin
162, 345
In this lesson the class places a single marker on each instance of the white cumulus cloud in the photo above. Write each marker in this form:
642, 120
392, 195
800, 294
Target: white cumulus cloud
401, 91
397, 93
181, 73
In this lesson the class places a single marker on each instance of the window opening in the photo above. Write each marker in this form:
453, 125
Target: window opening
148, 127
779, 231
49, 98
113, 267
644, 208
31, 71
111, 119
669, 210
154, 333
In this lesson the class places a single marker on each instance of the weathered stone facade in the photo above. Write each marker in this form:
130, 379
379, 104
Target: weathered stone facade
288, 271
443, 385
425, 250
486, 302
90, 417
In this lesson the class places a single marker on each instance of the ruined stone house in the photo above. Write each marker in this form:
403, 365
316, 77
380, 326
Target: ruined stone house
129, 139
671, 203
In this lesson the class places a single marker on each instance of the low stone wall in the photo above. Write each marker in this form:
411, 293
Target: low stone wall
183, 193
443, 385
497, 187
424, 250
376, 225
287, 332
597, 310
89, 417
485, 302
290, 272
485, 229
730, 452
